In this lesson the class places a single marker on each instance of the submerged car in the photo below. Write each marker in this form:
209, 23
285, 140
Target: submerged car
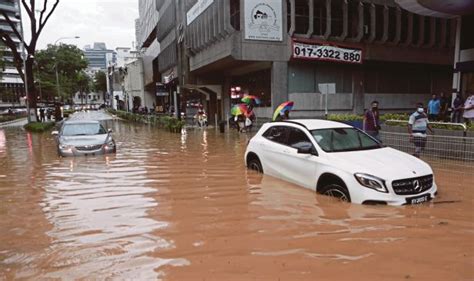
338, 160
76, 138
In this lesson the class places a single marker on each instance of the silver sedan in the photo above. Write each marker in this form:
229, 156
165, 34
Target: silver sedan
77, 138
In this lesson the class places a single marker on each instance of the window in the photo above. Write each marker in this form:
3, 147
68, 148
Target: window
343, 139
298, 139
83, 129
301, 16
277, 134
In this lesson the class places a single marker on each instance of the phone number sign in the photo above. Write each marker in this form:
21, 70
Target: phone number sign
316, 51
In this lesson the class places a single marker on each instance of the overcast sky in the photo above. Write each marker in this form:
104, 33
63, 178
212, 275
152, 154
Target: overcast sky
108, 21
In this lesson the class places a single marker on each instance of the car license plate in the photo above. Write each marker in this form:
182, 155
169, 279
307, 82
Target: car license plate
419, 199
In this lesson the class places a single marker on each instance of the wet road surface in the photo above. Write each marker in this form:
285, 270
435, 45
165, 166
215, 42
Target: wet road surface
183, 207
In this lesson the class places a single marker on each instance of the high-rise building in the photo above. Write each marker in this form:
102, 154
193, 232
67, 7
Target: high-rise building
99, 56
11, 84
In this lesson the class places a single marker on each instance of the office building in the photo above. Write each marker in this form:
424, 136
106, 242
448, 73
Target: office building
12, 92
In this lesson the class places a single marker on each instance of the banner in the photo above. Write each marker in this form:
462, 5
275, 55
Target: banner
318, 51
263, 20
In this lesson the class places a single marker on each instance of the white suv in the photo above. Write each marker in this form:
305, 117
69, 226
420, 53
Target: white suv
340, 161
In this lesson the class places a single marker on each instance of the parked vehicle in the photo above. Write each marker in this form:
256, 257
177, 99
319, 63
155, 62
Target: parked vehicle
339, 160
76, 138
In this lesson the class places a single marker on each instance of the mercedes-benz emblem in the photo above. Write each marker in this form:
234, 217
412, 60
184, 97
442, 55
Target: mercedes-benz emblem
416, 185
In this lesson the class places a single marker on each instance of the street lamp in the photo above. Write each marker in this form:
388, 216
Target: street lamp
56, 64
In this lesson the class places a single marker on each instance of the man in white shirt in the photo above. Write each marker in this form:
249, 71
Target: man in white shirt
418, 124
469, 108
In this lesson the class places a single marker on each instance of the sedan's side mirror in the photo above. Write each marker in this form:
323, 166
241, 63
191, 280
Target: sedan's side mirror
109, 131
304, 150
54, 133
307, 150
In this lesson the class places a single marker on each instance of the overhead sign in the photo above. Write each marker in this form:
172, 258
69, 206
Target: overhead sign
161, 90
263, 20
327, 88
318, 51
197, 10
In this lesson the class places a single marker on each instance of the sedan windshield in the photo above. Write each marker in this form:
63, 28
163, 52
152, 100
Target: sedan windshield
83, 129
344, 139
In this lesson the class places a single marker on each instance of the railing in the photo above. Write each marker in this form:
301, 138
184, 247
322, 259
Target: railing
443, 152
461, 125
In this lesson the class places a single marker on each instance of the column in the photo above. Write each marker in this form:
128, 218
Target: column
279, 82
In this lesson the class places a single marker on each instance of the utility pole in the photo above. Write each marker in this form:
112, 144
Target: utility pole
182, 59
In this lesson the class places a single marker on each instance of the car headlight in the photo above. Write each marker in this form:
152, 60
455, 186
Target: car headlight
371, 182
65, 146
111, 144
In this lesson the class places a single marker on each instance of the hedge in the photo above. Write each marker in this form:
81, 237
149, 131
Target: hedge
392, 116
170, 123
38, 127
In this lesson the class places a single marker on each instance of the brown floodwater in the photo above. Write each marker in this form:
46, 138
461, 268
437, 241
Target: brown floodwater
183, 207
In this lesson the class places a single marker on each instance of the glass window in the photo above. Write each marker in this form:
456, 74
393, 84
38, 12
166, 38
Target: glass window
343, 139
83, 129
298, 139
277, 134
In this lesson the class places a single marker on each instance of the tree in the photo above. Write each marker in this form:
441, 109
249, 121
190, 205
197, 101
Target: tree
36, 26
84, 83
100, 83
70, 64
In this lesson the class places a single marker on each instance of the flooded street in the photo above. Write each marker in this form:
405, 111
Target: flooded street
184, 207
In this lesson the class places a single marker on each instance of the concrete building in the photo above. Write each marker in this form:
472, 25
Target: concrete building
463, 13
98, 56
134, 87
11, 85
283, 50
149, 48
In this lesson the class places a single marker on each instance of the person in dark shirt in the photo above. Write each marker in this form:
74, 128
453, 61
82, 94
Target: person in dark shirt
457, 109
371, 123
443, 100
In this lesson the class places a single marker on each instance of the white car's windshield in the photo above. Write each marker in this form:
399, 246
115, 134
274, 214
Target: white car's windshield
83, 129
343, 139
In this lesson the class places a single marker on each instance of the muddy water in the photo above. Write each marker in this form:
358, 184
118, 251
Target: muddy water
183, 207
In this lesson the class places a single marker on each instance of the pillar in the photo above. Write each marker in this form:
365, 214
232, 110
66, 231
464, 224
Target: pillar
279, 82
226, 98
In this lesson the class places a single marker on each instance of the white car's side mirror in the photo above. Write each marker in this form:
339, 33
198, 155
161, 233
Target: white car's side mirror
109, 131
54, 133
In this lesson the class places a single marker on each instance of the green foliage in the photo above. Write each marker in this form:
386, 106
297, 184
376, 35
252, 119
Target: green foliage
70, 63
8, 118
391, 116
394, 116
345, 117
38, 127
170, 123
100, 82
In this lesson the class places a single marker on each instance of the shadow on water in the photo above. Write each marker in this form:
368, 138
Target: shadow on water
182, 206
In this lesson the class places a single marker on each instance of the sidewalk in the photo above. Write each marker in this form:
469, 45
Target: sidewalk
14, 123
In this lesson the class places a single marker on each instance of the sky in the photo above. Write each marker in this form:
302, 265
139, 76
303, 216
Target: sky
108, 21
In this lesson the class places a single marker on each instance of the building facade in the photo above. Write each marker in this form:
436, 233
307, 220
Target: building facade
11, 85
98, 56
357, 51
463, 13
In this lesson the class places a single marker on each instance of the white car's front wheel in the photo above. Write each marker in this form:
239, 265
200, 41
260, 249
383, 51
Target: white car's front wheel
337, 191
253, 163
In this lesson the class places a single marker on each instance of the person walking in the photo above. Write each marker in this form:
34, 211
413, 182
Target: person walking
443, 102
371, 123
434, 107
417, 126
42, 115
469, 108
457, 109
